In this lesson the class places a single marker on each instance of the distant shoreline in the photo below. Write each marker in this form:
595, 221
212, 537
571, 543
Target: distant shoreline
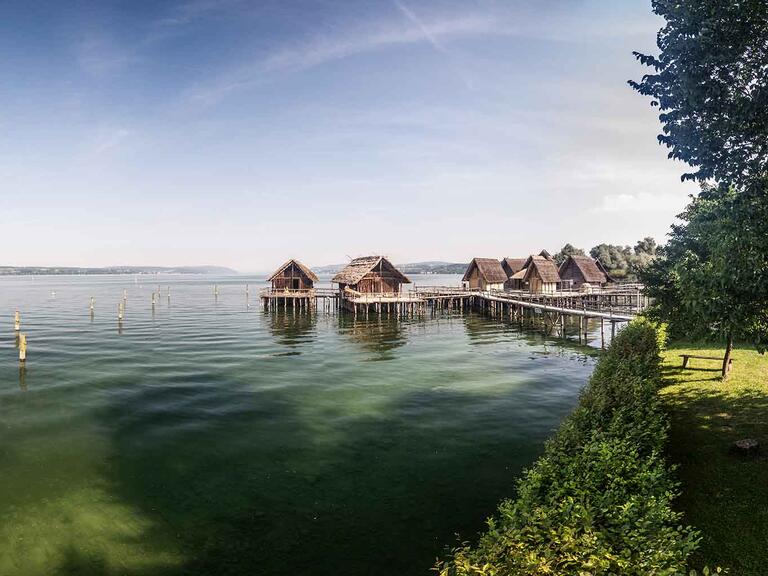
113, 270
413, 268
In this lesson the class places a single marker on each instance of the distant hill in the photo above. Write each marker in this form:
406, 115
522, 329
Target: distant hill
433, 267
68, 270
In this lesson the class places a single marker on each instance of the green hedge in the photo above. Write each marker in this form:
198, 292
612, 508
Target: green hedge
599, 500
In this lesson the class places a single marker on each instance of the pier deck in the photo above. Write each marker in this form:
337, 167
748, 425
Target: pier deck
615, 305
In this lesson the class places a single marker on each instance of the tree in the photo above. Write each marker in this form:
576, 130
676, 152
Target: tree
565, 251
616, 259
711, 86
646, 246
712, 277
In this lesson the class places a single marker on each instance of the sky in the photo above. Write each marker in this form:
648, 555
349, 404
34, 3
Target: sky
243, 133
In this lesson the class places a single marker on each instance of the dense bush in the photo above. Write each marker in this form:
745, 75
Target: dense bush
598, 502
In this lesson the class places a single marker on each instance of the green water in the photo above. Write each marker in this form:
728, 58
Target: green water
210, 437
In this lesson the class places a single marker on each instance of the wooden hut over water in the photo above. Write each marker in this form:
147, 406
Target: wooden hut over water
371, 275
583, 272
485, 274
293, 275
513, 268
541, 275
291, 285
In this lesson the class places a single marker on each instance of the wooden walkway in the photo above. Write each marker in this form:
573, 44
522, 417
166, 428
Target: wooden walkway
617, 305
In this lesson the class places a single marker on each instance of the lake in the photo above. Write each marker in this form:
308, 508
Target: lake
209, 437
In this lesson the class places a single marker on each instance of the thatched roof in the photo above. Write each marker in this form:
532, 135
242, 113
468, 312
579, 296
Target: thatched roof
489, 268
546, 255
359, 267
603, 269
591, 270
545, 269
513, 265
307, 272
520, 274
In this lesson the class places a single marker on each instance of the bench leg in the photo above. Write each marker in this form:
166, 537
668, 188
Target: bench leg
685, 361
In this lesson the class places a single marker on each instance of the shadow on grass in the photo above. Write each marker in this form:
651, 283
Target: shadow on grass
723, 495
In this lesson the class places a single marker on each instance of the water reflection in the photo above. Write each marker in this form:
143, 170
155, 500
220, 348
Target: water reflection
291, 327
380, 334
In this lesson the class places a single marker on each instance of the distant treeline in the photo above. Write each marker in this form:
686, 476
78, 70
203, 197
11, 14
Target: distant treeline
67, 270
432, 267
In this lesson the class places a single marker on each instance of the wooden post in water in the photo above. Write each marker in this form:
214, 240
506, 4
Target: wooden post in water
93, 302
602, 333
120, 308
17, 321
125, 295
23, 348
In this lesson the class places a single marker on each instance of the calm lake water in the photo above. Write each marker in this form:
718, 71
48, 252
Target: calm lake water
210, 437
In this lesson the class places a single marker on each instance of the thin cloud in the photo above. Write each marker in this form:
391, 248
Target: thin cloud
109, 138
410, 15
321, 50
642, 202
100, 55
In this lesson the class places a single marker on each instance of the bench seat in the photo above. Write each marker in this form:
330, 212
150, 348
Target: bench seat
687, 357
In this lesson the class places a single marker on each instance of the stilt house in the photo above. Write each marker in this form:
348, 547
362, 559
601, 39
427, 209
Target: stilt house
512, 268
541, 275
485, 274
576, 272
371, 275
293, 276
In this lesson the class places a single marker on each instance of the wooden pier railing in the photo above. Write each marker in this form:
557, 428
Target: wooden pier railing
617, 304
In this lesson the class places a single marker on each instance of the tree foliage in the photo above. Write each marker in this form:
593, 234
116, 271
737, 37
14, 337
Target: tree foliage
623, 262
710, 83
565, 251
712, 278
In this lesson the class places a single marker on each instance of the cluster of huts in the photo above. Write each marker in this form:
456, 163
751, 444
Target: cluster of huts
538, 274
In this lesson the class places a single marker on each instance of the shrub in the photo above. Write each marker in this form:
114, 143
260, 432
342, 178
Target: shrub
598, 501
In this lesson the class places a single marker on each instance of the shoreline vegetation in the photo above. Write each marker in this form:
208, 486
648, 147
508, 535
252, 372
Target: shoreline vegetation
599, 501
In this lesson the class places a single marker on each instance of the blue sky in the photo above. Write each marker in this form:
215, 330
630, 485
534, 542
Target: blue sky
242, 133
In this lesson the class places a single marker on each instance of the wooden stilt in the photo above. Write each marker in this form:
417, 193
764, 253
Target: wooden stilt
22, 348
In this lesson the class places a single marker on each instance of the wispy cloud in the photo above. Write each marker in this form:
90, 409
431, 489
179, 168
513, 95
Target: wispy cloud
189, 11
101, 55
323, 49
109, 138
426, 32
643, 202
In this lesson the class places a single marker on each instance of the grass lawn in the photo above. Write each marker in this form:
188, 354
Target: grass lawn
724, 496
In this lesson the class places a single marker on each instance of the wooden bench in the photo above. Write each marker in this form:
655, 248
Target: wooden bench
687, 357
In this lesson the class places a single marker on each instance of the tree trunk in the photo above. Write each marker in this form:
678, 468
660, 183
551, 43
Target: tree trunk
727, 358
